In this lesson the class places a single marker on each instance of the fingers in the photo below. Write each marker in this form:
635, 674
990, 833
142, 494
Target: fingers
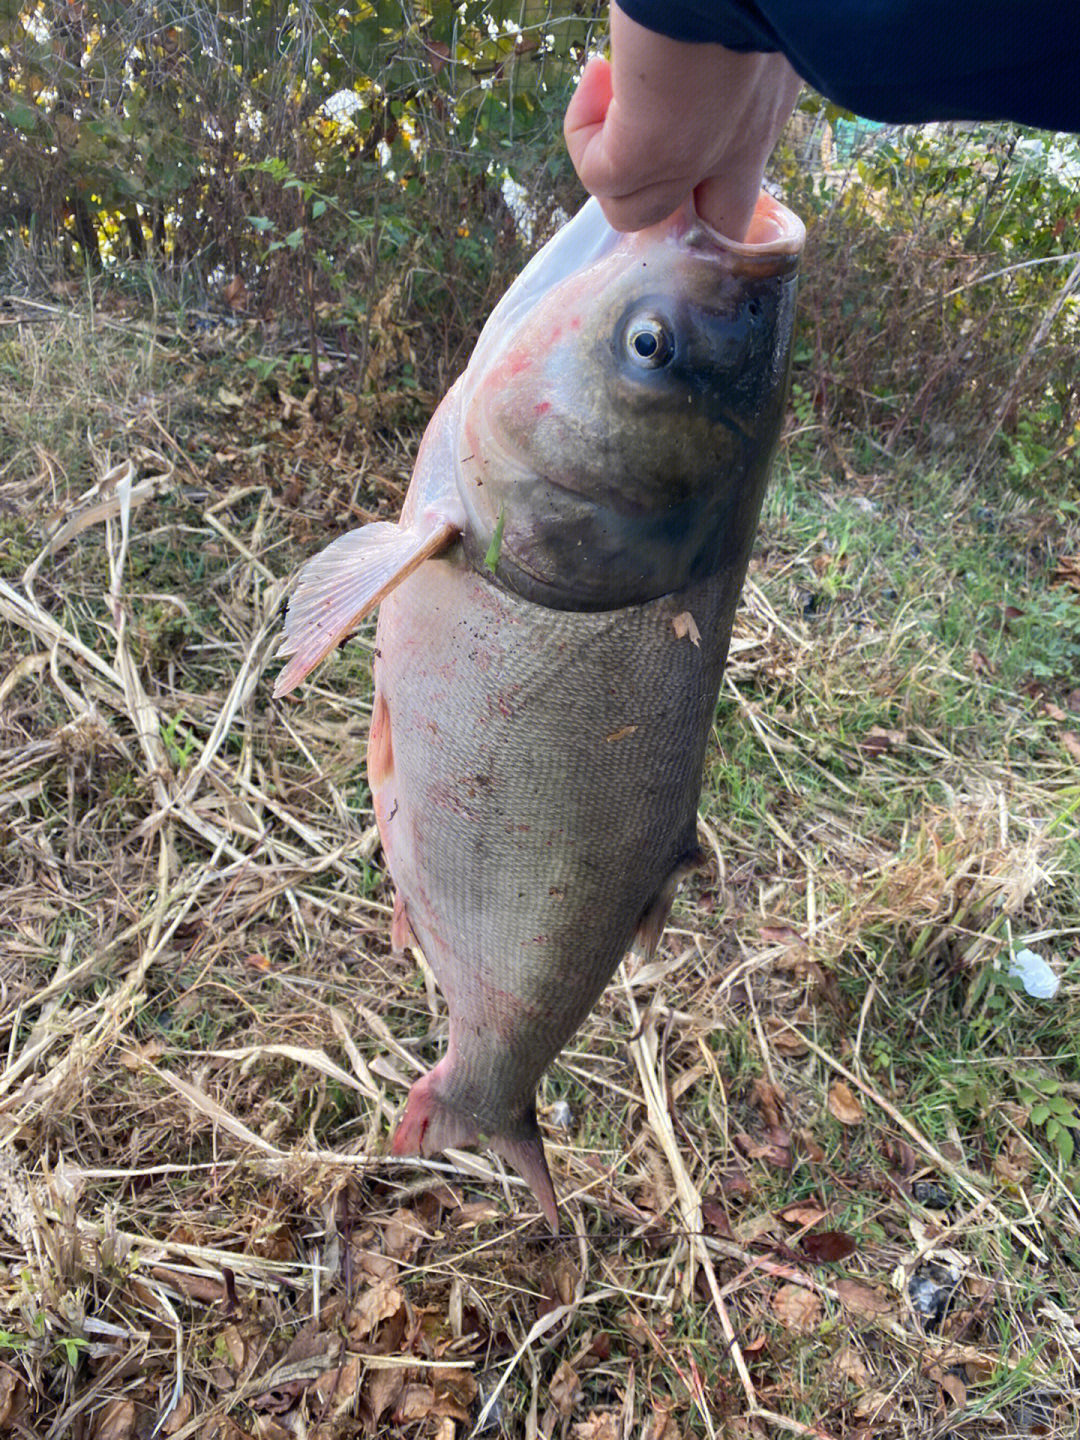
588, 106
727, 202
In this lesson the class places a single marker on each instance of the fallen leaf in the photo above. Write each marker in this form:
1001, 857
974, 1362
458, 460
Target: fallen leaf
416, 1403
403, 1234
780, 935
383, 1391
685, 628
565, 1388
784, 1039
802, 1214
770, 1099
797, 1308
1071, 741
874, 1405
861, 1300
115, 1421
850, 1364
664, 1427
877, 740
476, 1212
603, 1426
374, 1306
342, 1384
715, 1217
235, 294
267, 1428
827, 1246
952, 1385
179, 1415
843, 1105
455, 1391
811, 1149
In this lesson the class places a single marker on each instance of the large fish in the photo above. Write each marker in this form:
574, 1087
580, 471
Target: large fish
557, 600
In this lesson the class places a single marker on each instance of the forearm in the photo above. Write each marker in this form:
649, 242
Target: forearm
905, 61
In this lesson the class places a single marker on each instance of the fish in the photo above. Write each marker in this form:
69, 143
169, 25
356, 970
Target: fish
555, 606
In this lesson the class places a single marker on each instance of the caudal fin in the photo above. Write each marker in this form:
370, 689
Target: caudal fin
344, 583
430, 1124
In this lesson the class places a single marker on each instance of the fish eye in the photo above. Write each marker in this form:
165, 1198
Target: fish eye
649, 342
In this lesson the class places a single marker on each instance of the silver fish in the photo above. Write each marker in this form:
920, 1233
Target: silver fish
557, 600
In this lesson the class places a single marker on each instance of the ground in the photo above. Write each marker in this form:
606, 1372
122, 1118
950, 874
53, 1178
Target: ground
816, 1158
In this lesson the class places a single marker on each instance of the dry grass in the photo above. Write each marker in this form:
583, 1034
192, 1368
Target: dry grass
805, 1186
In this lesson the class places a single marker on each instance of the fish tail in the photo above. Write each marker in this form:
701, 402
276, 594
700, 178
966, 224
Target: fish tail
526, 1154
431, 1123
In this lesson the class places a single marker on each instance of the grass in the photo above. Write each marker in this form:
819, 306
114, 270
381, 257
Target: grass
822, 1105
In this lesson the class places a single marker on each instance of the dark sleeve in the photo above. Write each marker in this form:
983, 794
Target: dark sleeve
905, 61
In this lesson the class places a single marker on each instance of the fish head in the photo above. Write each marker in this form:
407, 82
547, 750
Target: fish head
621, 407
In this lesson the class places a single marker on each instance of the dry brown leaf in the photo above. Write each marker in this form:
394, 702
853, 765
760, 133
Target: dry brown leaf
341, 1384
384, 1390
476, 1212
861, 1300
685, 628
446, 1430
565, 1388
267, 1428
234, 1343
13, 1398
843, 1105
827, 1246
1071, 741
803, 1214
665, 1428
850, 1364
403, 1234
874, 1405
797, 1308
878, 740
770, 1099
602, 1426
375, 1305
811, 1149
952, 1385
416, 1403
115, 1421
455, 1391
784, 1039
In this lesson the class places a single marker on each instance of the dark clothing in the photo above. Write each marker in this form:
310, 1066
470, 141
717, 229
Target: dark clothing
905, 61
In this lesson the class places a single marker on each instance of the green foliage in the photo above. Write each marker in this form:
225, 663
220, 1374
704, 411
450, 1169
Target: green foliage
935, 312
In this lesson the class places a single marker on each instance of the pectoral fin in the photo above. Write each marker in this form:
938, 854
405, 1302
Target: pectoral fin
344, 583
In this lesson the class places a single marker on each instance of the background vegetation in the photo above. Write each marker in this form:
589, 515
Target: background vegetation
819, 1159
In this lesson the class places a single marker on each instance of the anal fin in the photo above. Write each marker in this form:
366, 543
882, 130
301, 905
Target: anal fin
401, 932
651, 925
344, 583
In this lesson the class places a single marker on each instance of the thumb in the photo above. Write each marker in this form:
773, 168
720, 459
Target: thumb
587, 109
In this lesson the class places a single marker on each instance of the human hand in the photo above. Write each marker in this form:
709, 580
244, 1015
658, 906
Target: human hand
667, 119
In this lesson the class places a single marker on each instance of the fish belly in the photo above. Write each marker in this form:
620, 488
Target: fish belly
536, 775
